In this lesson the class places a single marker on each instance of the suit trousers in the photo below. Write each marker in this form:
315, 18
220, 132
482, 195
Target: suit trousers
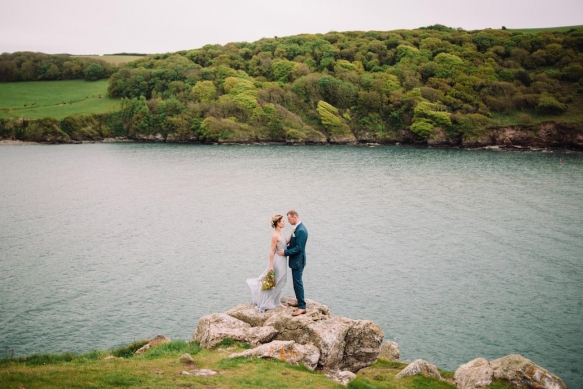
299, 286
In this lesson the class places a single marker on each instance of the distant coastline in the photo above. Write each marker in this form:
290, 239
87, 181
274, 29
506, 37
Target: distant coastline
552, 137
433, 86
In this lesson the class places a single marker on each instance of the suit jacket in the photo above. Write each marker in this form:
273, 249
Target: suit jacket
296, 249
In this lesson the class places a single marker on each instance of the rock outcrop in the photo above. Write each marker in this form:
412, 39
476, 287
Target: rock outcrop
343, 344
420, 366
212, 329
474, 374
199, 372
158, 340
342, 377
285, 350
523, 372
390, 351
515, 369
186, 358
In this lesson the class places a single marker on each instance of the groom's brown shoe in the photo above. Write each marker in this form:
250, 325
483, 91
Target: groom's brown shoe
292, 304
299, 312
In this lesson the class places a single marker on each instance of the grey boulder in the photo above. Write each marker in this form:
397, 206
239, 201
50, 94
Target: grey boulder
475, 374
158, 340
523, 372
420, 366
342, 377
212, 329
390, 351
288, 351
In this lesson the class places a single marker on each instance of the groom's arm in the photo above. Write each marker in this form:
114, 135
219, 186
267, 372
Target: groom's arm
301, 238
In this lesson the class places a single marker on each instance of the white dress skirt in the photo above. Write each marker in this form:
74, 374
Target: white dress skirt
270, 299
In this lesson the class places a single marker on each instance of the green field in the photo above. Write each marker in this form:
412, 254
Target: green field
535, 30
113, 59
56, 99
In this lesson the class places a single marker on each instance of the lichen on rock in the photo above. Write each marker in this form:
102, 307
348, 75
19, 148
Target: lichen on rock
342, 343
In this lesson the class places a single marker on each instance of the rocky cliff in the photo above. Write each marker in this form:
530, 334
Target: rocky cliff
316, 339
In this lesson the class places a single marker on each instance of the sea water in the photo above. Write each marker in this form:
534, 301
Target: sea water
456, 254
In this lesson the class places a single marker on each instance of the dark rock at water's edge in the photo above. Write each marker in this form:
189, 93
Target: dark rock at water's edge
547, 135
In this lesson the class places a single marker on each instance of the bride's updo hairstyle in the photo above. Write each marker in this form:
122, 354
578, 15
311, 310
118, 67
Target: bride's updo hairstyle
275, 220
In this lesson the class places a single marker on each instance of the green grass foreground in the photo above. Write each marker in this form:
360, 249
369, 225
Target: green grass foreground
56, 99
160, 368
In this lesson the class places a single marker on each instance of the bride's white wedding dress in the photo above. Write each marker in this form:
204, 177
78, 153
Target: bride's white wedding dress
269, 299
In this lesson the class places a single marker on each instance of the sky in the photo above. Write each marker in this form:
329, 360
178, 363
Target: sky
160, 26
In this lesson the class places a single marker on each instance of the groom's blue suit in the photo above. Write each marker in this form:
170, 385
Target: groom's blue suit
296, 251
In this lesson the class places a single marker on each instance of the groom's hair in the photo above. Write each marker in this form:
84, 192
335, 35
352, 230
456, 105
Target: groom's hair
292, 212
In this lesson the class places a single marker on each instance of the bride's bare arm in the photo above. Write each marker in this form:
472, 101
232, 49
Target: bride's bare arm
272, 251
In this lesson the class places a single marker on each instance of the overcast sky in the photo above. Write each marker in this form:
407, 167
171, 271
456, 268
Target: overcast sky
159, 26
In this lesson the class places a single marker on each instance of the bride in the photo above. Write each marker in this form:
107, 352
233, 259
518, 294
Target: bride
269, 299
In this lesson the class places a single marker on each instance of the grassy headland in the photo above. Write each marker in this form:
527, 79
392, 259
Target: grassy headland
114, 59
55, 99
160, 368
535, 30
435, 85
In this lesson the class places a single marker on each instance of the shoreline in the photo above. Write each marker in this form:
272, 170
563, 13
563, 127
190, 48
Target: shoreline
499, 148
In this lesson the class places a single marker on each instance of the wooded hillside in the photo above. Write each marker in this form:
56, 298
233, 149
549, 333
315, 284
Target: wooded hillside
435, 85
344, 86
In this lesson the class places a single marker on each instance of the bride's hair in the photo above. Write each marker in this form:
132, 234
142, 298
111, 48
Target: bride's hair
275, 220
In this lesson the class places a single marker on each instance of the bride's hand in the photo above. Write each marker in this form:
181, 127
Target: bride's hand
270, 268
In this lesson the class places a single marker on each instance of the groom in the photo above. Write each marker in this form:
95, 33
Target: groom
296, 251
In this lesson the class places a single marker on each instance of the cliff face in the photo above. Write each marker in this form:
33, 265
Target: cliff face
545, 135
549, 134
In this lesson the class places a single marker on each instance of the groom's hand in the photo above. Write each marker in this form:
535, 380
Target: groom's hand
280, 252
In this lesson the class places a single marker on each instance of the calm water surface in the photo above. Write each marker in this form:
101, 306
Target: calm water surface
456, 254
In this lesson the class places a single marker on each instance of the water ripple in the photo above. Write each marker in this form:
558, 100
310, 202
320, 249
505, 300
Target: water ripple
456, 254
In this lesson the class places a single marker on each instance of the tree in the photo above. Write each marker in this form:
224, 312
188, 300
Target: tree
204, 91
53, 72
8, 71
281, 70
573, 72
28, 71
548, 104
333, 123
94, 72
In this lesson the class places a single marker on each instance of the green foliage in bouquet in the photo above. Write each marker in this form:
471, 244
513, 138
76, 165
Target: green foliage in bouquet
268, 282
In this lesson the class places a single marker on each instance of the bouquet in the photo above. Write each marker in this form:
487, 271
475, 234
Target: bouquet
268, 281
